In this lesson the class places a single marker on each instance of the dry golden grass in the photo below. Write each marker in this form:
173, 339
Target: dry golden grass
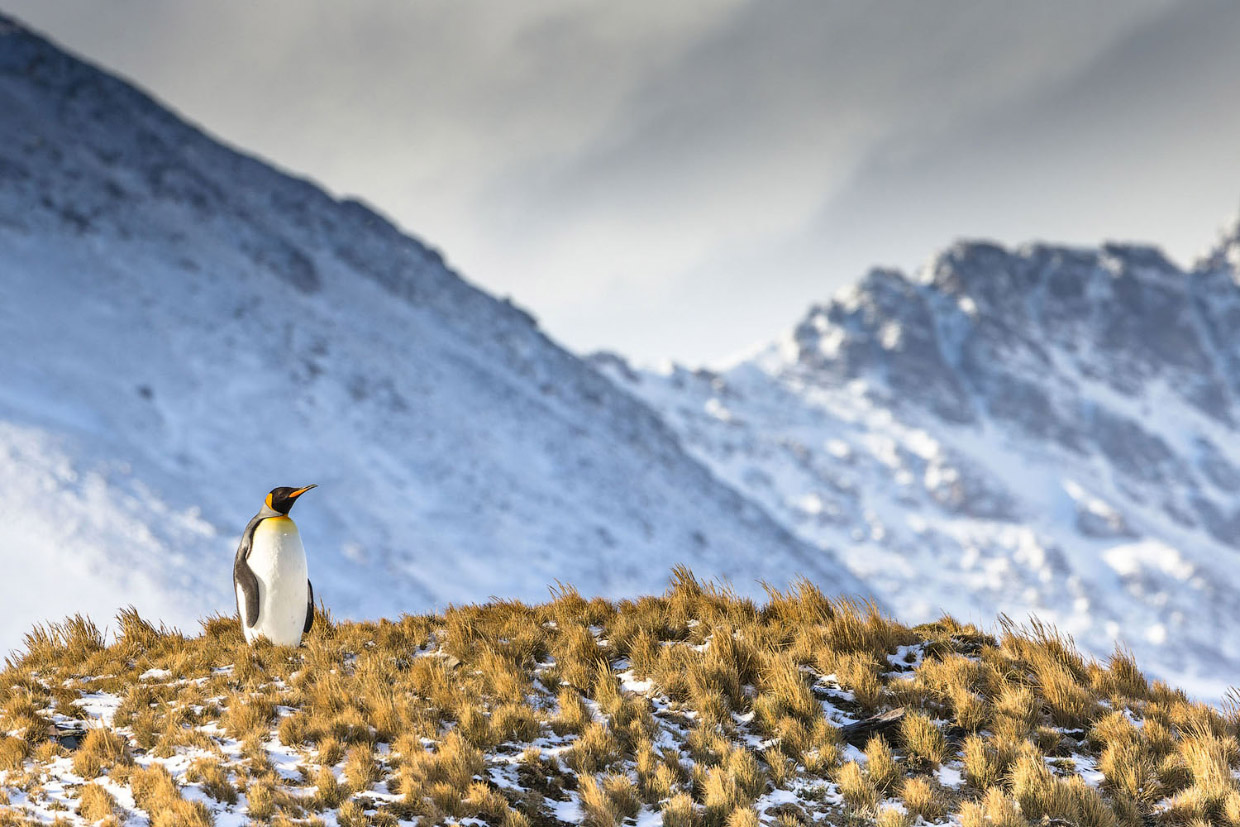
1131, 770
995, 809
893, 817
922, 740
743, 817
607, 803
678, 811
155, 791
923, 798
986, 761
440, 709
214, 779
881, 766
1041, 794
735, 784
858, 791
360, 770
596, 750
101, 749
95, 803
13, 751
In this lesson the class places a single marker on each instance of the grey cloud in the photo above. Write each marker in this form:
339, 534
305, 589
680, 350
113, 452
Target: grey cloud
682, 178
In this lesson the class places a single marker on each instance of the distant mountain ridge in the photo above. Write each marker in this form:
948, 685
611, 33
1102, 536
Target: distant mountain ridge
1050, 430
183, 327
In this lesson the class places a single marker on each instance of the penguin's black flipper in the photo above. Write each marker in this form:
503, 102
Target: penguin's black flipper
309, 607
244, 577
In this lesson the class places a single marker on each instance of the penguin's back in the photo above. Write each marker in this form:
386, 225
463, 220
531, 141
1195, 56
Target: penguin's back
278, 561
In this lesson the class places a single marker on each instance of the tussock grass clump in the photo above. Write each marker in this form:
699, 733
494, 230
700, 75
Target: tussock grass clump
214, 779
986, 762
1213, 795
784, 692
1042, 794
735, 783
21, 716
247, 716
858, 791
609, 801
922, 740
573, 716
330, 752
678, 811
1121, 678
360, 770
858, 673
881, 766
328, 792
1051, 661
101, 749
95, 803
893, 817
513, 715
439, 776
743, 817
923, 798
995, 809
13, 752
77, 639
155, 791
578, 654
659, 775
596, 750
1131, 770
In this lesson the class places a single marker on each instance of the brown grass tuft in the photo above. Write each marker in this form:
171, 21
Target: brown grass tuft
994, 810
360, 770
214, 779
101, 749
922, 740
922, 798
156, 792
858, 791
678, 811
881, 764
95, 803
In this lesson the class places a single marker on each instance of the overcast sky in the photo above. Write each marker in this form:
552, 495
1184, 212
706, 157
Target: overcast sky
681, 179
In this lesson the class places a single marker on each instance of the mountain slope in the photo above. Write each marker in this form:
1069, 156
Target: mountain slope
183, 327
1044, 430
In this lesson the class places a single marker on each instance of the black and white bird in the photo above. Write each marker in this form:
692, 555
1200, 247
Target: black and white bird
274, 595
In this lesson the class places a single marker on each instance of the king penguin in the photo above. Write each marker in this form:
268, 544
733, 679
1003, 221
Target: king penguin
274, 595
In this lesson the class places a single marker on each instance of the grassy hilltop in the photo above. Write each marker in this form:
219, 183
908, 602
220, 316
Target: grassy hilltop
693, 708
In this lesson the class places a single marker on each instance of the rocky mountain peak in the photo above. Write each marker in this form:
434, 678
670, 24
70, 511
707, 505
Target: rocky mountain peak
1047, 428
1226, 253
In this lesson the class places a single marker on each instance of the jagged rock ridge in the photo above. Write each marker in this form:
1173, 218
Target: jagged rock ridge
1048, 430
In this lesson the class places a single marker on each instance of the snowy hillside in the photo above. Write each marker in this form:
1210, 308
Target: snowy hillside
183, 328
1044, 430
690, 709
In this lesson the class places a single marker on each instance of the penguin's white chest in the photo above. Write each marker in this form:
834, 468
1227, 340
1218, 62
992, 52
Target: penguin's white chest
278, 561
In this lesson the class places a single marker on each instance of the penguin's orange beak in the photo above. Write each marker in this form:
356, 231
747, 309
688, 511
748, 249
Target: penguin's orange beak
300, 491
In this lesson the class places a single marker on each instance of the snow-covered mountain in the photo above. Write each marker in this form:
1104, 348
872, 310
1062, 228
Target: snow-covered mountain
183, 327
1046, 430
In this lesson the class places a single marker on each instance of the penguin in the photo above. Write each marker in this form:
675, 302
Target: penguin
274, 597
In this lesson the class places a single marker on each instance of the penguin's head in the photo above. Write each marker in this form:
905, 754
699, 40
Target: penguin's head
281, 499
